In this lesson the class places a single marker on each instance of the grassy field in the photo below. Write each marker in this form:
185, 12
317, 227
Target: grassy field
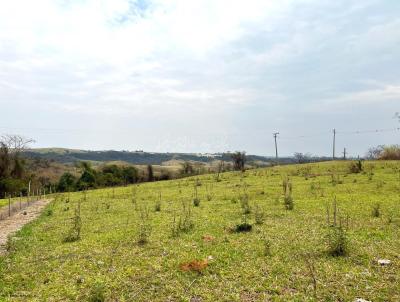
150, 243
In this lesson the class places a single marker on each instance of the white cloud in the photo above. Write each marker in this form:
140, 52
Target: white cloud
252, 61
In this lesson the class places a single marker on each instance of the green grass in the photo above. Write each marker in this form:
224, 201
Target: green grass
108, 260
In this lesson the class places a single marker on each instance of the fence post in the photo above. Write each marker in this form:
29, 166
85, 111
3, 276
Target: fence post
9, 205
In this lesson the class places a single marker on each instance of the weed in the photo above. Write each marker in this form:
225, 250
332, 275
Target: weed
97, 293
184, 223
267, 247
376, 210
259, 215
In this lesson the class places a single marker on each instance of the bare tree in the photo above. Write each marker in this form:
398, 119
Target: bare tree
15, 143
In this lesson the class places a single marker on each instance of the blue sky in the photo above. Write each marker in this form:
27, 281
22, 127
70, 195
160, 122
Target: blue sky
201, 76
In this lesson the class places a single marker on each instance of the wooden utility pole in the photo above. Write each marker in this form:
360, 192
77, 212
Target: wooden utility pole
344, 154
334, 143
276, 146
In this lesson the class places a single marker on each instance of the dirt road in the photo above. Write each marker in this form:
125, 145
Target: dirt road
12, 224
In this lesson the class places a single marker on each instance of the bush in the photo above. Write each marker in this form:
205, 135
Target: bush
356, 167
337, 241
243, 227
390, 153
287, 191
74, 233
196, 202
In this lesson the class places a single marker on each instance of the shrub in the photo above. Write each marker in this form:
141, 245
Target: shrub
356, 167
390, 153
287, 191
337, 241
196, 202
243, 227
74, 233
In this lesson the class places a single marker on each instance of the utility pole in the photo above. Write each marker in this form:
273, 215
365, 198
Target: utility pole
276, 146
334, 143
344, 154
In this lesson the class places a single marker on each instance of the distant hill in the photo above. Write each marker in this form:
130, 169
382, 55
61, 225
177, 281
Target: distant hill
70, 156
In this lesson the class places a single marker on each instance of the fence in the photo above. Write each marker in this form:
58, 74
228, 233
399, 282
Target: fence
15, 206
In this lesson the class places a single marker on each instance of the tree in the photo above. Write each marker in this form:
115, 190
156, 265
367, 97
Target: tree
375, 152
302, 158
150, 175
187, 168
130, 175
5, 161
67, 183
12, 165
239, 160
88, 177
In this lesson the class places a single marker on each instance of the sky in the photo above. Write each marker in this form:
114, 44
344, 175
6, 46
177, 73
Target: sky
201, 76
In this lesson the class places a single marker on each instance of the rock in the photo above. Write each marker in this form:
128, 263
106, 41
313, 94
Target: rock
361, 300
384, 262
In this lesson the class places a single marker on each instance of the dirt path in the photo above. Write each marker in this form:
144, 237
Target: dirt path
12, 224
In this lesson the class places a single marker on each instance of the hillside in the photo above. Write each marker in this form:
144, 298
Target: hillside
68, 156
185, 240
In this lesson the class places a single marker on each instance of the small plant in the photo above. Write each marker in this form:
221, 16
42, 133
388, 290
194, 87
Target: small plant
267, 247
74, 233
157, 206
210, 193
49, 212
244, 226
337, 241
196, 202
97, 293
356, 167
144, 230
184, 223
196, 199
376, 210
259, 215
244, 203
287, 191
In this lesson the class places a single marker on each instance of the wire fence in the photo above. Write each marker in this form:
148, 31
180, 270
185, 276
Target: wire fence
15, 206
